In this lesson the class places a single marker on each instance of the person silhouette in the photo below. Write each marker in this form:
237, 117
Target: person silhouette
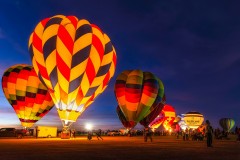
99, 134
209, 133
147, 133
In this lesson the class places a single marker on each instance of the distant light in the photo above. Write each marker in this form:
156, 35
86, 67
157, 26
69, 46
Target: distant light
89, 126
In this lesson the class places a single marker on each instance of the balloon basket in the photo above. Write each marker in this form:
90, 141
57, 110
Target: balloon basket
65, 135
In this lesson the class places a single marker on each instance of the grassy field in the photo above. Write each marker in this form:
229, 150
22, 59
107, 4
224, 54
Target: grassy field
117, 148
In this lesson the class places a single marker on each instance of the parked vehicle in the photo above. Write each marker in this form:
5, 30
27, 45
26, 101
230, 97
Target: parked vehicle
12, 132
114, 133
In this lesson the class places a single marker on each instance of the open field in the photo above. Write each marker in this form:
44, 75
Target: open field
117, 148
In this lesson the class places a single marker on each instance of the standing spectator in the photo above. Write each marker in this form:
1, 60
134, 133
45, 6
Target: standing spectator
99, 134
236, 130
187, 134
73, 133
147, 134
238, 134
37, 131
209, 133
89, 135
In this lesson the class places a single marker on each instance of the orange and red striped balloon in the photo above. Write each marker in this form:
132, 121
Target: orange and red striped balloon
137, 93
27, 95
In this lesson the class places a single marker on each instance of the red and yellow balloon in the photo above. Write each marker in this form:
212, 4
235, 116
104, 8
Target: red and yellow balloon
166, 117
74, 59
27, 95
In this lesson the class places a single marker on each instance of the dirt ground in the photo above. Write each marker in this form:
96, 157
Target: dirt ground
117, 148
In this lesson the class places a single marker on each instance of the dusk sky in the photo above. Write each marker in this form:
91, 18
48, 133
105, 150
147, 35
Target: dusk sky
192, 46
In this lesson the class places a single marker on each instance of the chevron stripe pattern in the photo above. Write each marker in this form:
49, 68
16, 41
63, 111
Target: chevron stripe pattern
27, 95
169, 115
74, 59
138, 93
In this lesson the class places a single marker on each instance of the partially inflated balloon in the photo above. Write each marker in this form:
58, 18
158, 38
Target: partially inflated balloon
166, 117
27, 95
74, 59
138, 93
227, 123
170, 115
157, 122
182, 125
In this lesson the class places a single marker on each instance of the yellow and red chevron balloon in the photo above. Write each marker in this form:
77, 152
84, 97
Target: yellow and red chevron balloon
138, 94
166, 117
74, 59
28, 96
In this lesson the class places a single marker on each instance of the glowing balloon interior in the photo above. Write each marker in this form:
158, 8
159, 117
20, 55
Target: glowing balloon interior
193, 119
166, 117
27, 95
169, 116
74, 59
157, 122
182, 125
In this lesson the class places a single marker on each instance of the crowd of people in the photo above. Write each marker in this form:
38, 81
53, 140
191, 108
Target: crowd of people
207, 132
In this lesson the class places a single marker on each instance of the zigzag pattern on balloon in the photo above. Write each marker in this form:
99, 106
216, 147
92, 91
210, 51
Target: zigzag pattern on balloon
27, 95
74, 59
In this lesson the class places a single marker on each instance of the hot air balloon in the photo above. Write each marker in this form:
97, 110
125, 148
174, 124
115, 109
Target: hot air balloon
193, 119
136, 92
166, 117
75, 60
169, 116
154, 113
227, 124
182, 125
27, 95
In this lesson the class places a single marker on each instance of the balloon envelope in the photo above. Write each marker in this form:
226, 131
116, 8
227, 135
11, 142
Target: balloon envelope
227, 123
137, 93
193, 119
74, 59
166, 117
182, 125
169, 116
27, 95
